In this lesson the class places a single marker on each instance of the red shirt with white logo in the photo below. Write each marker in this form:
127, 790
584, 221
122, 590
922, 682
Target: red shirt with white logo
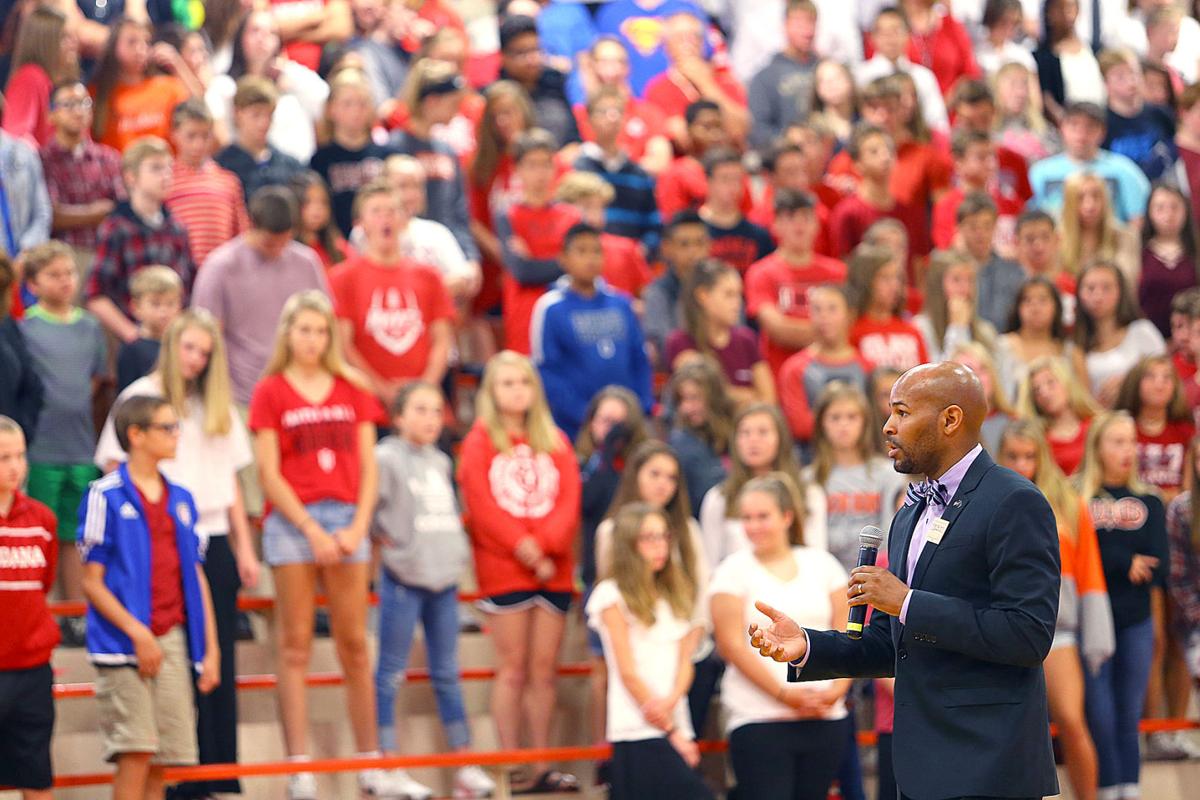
166, 579
891, 343
318, 442
510, 495
391, 309
28, 557
1162, 457
775, 282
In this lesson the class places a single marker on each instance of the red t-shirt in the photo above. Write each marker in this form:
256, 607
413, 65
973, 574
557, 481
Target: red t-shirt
643, 121
166, 576
483, 201
763, 214
306, 53
853, 216
1163, 458
625, 268
945, 218
683, 186
28, 560
318, 442
889, 343
543, 230
1185, 365
391, 309
672, 94
773, 281
1068, 453
919, 172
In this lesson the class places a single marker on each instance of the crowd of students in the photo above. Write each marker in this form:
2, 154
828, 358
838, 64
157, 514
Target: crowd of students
686, 249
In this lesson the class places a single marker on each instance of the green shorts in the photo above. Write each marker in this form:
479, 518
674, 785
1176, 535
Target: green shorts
62, 487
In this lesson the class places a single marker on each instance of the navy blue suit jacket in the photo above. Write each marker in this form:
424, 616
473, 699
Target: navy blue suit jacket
971, 713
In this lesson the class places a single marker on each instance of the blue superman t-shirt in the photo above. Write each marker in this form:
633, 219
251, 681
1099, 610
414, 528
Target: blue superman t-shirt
639, 25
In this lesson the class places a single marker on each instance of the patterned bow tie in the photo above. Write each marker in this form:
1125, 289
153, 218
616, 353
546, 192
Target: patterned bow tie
929, 491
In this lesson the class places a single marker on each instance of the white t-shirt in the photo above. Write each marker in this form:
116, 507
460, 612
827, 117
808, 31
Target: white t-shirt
427, 241
1142, 339
723, 535
805, 598
302, 96
206, 466
656, 660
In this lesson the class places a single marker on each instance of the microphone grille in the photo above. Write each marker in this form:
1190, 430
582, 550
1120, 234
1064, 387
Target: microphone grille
870, 536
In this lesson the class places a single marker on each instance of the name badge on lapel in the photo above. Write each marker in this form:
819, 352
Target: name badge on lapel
937, 530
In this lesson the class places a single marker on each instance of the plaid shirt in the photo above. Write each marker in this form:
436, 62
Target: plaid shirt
88, 173
1183, 580
126, 243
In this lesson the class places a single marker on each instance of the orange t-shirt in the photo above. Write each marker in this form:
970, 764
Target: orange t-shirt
142, 109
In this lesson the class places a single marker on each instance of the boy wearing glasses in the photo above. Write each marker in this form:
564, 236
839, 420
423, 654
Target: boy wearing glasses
149, 615
83, 177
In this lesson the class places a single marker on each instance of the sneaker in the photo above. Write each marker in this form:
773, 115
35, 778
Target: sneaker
302, 786
1187, 744
471, 783
1162, 746
393, 784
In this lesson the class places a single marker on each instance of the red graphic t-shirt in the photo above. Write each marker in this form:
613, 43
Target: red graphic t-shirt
889, 343
318, 442
773, 281
166, 578
1161, 458
391, 309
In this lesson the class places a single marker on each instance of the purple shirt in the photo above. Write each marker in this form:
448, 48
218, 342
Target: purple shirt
737, 358
950, 479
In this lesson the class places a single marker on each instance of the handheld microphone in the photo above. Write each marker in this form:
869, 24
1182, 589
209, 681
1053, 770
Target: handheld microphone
869, 539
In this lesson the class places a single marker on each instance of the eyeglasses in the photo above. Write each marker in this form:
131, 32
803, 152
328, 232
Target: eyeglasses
169, 428
83, 104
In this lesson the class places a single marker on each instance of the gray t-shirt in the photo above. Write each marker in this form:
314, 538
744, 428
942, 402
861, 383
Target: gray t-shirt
246, 293
417, 518
857, 496
66, 356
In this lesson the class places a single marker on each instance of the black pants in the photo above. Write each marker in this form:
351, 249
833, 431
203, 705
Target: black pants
705, 677
651, 769
217, 715
787, 760
26, 727
978, 797
887, 775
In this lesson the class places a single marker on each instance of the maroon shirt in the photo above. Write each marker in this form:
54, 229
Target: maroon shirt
737, 358
166, 577
1158, 285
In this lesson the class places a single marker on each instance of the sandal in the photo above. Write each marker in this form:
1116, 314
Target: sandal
551, 782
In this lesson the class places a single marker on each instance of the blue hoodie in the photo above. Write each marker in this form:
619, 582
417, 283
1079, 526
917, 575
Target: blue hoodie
582, 344
113, 532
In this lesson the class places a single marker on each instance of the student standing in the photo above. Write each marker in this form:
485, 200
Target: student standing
702, 426
1170, 263
156, 298
880, 332
1054, 394
314, 426
250, 156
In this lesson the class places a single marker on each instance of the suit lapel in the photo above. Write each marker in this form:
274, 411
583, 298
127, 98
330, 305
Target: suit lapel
982, 463
898, 557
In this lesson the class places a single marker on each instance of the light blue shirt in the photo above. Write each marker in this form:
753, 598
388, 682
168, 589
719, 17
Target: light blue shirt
1128, 187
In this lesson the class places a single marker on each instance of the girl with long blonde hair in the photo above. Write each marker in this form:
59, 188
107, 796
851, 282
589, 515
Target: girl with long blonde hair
192, 375
1000, 411
950, 316
646, 614
1084, 616
807, 725
1131, 528
314, 426
1089, 230
1053, 394
521, 492
761, 443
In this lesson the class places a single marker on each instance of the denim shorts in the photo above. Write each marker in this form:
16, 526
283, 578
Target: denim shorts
284, 544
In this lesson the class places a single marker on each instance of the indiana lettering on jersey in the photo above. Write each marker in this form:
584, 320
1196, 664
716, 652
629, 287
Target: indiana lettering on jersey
1161, 464
394, 320
1125, 514
350, 176
24, 556
524, 483
322, 430
895, 350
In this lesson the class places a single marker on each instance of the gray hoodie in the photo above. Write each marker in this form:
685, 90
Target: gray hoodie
417, 518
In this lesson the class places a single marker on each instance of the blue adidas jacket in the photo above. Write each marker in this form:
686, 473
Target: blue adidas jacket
582, 344
113, 532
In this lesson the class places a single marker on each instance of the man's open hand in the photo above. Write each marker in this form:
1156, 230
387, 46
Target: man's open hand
782, 640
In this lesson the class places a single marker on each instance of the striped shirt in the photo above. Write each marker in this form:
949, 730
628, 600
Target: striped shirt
207, 201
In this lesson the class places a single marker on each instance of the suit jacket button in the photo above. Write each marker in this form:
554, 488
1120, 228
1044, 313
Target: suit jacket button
903, 653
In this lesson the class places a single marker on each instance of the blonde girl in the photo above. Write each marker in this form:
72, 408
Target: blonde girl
1131, 528
645, 614
521, 491
1153, 395
950, 315
786, 741
192, 375
346, 146
1089, 230
1000, 412
876, 283
762, 443
314, 426
712, 311
1084, 617
1020, 125
1053, 394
